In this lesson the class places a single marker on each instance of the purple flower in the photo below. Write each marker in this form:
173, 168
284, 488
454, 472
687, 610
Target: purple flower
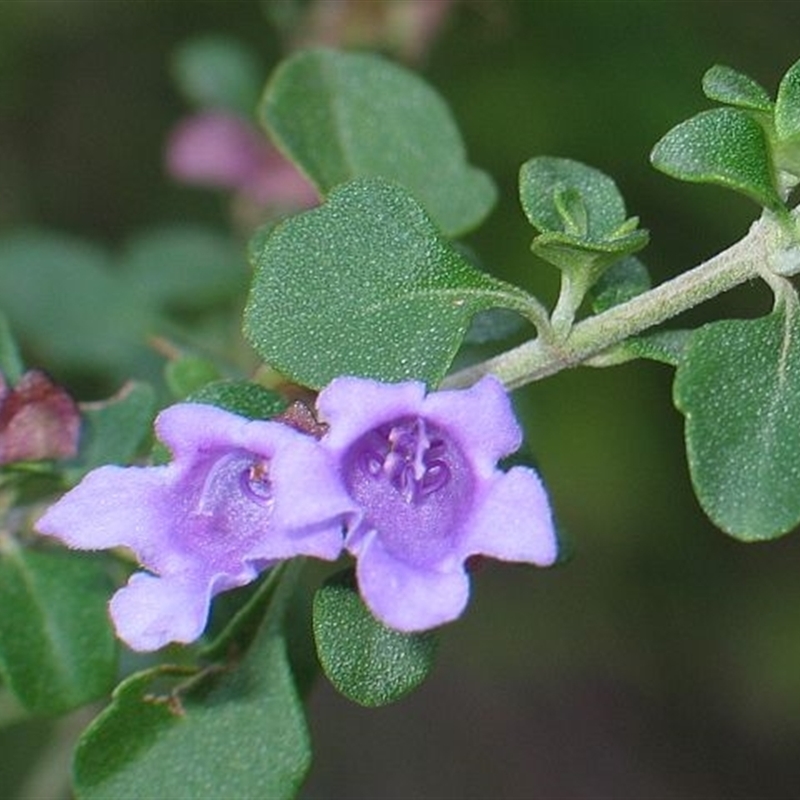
219, 149
423, 470
238, 495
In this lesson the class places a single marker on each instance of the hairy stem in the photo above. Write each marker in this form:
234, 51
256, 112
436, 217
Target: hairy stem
766, 246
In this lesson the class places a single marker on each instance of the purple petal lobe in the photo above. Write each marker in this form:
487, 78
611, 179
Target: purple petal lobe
150, 612
482, 419
407, 598
352, 406
111, 507
514, 521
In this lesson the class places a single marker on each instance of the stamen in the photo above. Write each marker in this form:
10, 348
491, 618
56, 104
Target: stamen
256, 481
409, 456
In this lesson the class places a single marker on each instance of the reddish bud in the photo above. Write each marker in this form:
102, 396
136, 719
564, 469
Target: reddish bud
38, 420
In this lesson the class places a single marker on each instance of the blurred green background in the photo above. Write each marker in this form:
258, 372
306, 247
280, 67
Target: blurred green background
663, 661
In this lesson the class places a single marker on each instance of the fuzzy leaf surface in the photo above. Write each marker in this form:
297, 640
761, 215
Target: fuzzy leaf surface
723, 146
726, 85
234, 730
57, 649
341, 116
548, 186
366, 661
365, 285
787, 104
738, 385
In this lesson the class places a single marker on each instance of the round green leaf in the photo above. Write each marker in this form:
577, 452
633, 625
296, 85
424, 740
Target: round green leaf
185, 267
787, 104
548, 188
240, 397
341, 116
57, 650
726, 85
188, 373
366, 661
48, 281
738, 384
229, 734
365, 285
724, 146
666, 347
232, 730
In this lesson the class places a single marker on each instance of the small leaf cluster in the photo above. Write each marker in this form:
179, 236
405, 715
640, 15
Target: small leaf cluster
750, 145
736, 380
584, 230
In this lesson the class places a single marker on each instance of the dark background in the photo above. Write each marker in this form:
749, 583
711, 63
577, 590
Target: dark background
663, 661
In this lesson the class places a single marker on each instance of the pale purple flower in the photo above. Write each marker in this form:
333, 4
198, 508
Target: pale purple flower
423, 470
222, 150
238, 495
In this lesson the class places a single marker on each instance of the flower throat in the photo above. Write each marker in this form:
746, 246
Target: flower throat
410, 455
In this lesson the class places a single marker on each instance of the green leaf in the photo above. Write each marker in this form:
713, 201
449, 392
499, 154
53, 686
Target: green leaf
366, 661
11, 364
724, 146
185, 267
114, 429
188, 374
572, 210
11, 710
787, 104
493, 325
738, 385
582, 219
620, 283
549, 189
57, 650
586, 260
726, 85
241, 628
65, 303
341, 116
232, 730
667, 347
240, 397
365, 285
218, 72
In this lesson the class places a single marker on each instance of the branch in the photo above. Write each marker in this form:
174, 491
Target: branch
767, 244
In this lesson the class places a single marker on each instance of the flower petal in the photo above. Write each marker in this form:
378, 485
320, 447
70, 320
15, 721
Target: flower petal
480, 418
353, 406
191, 428
406, 598
308, 486
150, 612
215, 149
112, 507
514, 522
